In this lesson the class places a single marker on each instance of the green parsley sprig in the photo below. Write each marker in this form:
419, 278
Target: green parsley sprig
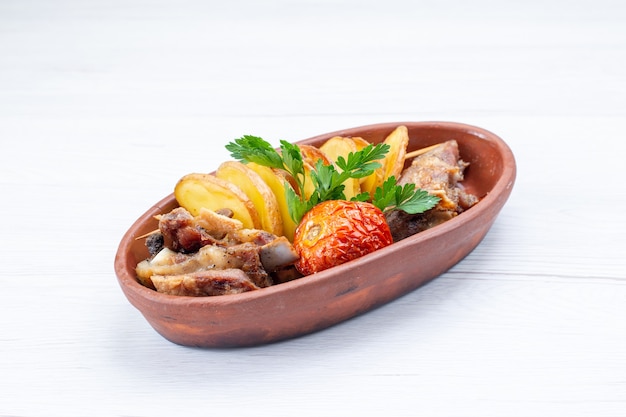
406, 198
328, 180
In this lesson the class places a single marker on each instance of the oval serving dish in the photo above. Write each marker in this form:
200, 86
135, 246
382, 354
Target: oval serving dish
321, 300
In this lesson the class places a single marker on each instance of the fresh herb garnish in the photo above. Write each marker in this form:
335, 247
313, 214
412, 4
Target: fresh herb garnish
328, 179
406, 198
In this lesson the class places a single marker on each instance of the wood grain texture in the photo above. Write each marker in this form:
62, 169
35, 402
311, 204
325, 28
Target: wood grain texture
104, 105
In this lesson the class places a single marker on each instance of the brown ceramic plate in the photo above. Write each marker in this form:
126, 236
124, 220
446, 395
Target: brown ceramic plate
321, 300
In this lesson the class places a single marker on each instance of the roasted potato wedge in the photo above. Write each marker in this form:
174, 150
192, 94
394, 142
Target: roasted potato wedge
338, 146
257, 190
398, 140
393, 163
195, 191
369, 183
309, 188
359, 142
277, 183
310, 156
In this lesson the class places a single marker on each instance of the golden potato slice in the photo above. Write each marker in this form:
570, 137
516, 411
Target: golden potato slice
309, 188
398, 140
284, 176
257, 191
359, 142
311, 155
393, 163
277, 183
369, 183
338, 146
195, 191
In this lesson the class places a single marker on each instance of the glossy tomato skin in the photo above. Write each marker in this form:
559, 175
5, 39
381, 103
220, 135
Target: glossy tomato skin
337, 231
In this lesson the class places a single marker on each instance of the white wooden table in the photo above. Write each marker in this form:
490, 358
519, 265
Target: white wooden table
105, 104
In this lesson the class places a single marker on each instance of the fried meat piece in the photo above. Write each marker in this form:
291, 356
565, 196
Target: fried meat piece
169, 263
182, 233
246, 258
205, 283
438, 171
214, 242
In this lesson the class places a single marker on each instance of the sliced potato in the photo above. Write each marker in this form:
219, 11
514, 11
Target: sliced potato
353, 188
277, 183
398, 140
369, 183
393, 163
284, 176
257, 190
309, 188
338, 146
359, 142
311, 155
195, 191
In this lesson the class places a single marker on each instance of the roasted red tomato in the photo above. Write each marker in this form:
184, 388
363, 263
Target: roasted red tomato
337, 231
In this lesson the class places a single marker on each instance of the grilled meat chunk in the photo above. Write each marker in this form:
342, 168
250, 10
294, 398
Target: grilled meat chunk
438, 171
211, 242
205, 283
246, 257
182, 232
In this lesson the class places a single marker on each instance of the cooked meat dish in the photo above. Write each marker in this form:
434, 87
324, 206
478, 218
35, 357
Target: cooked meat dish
205, 283
213, 254
213, 247
438, 171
